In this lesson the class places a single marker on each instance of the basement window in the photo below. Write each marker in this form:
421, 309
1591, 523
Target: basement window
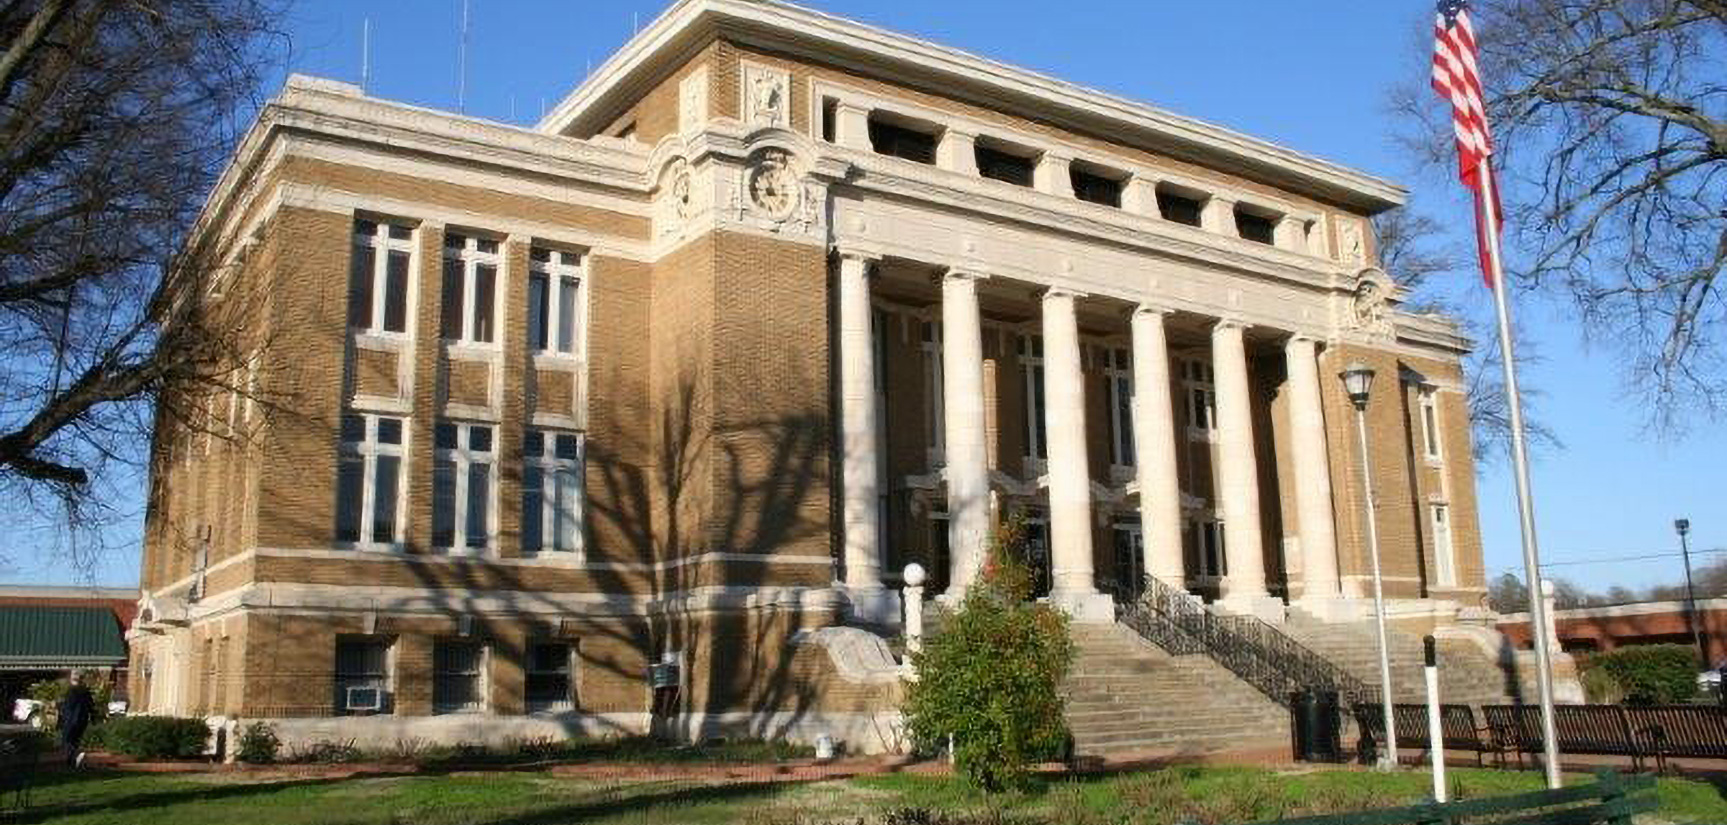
1177, 207
1254, 226
901, 140
1095, 185
999, 164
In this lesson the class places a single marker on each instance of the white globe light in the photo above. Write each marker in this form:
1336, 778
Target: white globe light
915, 575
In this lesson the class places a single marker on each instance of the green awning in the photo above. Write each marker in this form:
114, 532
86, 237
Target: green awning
53, 638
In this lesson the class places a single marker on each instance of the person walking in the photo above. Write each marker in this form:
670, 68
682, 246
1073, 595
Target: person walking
76, 710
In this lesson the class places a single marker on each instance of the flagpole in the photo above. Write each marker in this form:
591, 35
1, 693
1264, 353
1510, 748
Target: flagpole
1520, 470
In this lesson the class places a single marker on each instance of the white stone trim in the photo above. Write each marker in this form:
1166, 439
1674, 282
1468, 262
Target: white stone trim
324, 598
667, 39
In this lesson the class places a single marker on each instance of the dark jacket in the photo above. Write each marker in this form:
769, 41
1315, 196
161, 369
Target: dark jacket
77, 708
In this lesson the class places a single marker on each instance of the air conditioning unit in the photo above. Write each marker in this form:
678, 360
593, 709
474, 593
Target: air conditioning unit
363, 699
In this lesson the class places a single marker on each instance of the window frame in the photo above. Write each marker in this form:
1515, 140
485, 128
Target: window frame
1210, 555
570, 701
471, 254
1444, 547
1432, 439
556, 270
1255, 218
368, 451
1096, 184
1035, 388
1199, 398
993, 156
547, 465
1119, 389
1169, 199
461, 460
482, 661
382, 239
386, 679
885, 131
935, 390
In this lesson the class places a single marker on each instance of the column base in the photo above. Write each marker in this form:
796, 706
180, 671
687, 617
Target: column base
1333, 609
1085, 607
874, 605
1266, 608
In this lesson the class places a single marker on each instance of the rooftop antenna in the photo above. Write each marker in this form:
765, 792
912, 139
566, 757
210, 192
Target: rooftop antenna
462, 64
365, 54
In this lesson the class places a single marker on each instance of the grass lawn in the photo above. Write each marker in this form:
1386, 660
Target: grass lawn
1179, 794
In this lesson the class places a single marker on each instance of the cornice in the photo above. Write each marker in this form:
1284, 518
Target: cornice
655, 51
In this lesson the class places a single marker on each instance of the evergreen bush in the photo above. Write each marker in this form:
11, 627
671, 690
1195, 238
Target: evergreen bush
991, 677
1646, 674
259, 744
152, 737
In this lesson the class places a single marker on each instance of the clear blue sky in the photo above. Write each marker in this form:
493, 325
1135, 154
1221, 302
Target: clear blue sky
1311, 76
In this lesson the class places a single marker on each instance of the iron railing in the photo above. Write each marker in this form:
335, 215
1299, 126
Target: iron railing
1260, 654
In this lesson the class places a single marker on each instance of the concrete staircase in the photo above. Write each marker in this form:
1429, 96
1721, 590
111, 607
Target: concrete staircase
1126, 697
1466, 674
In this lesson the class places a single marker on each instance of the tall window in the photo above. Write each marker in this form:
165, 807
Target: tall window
934, 415
551, 491
1199, 394
362, 675
1444, 561
1207, 558
1430, 424
1031, 366
368, 480
457, 684
549, 686
470, 289
1129, 558
555, 301
1118, 387
378, 276
462, 460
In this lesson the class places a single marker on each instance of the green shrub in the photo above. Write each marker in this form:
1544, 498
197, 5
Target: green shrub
258, 744
1645, 674
991, 677
152, 737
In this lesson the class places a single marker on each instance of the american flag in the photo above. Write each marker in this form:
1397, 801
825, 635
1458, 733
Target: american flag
1456, 79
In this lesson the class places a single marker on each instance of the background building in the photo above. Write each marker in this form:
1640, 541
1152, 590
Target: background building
771, 306
46, 632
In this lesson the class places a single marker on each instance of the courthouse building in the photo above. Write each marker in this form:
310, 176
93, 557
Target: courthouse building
634, 418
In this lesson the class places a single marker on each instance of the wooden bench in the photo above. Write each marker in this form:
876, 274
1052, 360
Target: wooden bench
1679, 730
1611, 800
1457, 727
1583, 729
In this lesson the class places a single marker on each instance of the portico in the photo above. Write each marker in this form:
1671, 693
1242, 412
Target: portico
989, 394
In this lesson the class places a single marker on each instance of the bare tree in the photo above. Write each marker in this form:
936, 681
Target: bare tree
1416, 251
115, 116
1611, 121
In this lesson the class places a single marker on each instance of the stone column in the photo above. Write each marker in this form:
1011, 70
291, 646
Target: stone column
861, 471
1073, 584
963, 428
851, 125
1218, 215
1237, 471
1312, 471
1051, 175
1154, 449
957, 152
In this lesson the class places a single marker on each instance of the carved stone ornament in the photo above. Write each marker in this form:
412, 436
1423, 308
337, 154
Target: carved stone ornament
1350, 242
693, 101
773, 184
675, 202
767, 97
1371, 308
680, 193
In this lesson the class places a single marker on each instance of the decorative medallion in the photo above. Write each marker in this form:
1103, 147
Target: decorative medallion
1371, 308
766, 97
773, 184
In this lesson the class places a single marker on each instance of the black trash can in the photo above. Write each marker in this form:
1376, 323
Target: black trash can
1315, 725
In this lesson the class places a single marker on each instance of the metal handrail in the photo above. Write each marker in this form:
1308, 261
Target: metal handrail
1260, 654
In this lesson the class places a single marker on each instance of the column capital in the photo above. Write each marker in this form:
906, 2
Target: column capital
1061, 292
1224, 323
1301, 337
961, 273
1147, 308
853, 251
844, 105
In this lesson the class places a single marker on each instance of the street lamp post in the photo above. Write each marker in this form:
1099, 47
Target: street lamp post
1683, 526
1358, 382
